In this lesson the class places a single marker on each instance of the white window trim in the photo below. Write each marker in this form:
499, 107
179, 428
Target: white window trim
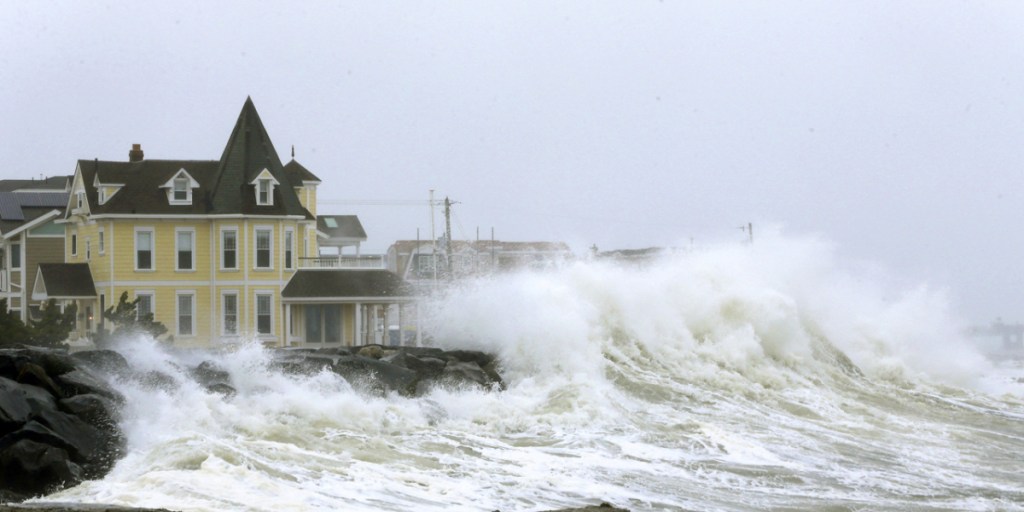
264, 177
182, 174
256, 314
238, 251
288, 247
191, 232
152, 301
152, 243
177, 313
223, 313
88, 249
73, 240
102, 242
256, 244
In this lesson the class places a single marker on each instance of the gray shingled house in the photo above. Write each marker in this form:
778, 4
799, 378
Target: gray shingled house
29, 236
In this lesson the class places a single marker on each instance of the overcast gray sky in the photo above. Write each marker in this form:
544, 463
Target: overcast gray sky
893, 129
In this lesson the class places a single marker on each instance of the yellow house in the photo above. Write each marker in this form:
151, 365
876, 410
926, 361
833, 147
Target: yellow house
207, 245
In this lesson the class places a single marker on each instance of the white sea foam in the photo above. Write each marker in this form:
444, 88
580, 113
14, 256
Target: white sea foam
737, 377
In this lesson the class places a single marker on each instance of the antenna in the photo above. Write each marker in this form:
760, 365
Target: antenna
749, 229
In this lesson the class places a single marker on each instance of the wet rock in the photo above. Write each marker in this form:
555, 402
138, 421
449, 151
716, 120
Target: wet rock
376, 375
57, 423
106, 362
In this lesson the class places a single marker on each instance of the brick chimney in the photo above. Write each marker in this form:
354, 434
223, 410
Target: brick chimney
135, 155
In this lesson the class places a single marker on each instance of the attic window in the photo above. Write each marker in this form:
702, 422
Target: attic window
182, 190
264, 192
179, 188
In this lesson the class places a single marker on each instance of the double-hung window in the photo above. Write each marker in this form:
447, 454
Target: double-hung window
74, 243
263, 192
181, 189
102, 246
143, 249
230, 308
264, 252
144, 306
264, 318
186, 313
289, 240
185, 249
229, 249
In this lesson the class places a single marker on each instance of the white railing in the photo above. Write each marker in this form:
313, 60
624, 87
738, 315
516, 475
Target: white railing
375, 261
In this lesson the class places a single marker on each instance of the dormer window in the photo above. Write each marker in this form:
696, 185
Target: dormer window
263, 196
80, 198
264, 187
179, 188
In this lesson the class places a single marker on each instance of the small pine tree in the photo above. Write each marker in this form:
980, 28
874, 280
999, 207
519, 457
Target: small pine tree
124, 315
49, 331
53, 328
12, 330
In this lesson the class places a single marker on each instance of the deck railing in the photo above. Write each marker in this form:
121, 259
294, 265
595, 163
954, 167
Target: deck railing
374, 261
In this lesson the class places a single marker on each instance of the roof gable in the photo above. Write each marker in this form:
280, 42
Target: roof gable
248, 154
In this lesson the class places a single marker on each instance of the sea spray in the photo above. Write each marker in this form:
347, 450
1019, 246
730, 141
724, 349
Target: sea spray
731, 378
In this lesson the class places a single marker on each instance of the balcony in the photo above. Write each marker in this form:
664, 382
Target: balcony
370, 261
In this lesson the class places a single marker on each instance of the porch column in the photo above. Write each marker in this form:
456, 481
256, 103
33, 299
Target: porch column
359, 324
419, 336
287, 324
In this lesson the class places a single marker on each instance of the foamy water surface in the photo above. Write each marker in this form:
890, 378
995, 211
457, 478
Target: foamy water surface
732, 378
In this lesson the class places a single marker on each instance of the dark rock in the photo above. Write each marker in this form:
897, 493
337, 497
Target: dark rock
213, 377
482, 359
376, 375
371, 351
31, 468
307, 363
34, 375
80, 382
93, 409
105, 362
465, 373
223, 389
426, 367
57, 423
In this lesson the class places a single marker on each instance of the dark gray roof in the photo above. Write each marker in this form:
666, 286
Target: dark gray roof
224, 185
18, 208
322, 284
55, 183
141, 192
248, 152
67, 280
297, 173
340, 226
12, 204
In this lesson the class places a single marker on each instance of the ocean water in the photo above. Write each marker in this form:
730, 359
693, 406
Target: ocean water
764, 377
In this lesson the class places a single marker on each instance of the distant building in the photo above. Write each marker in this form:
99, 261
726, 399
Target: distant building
423, 264
29, 235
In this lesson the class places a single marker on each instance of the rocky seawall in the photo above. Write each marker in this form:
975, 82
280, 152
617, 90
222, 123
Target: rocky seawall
59, 412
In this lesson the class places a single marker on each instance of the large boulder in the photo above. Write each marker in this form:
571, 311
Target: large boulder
57, 422
410, 371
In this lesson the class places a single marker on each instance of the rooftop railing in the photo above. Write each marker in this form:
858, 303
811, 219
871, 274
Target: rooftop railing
375, 261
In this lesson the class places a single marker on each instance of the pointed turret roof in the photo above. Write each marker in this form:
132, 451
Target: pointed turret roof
247, 154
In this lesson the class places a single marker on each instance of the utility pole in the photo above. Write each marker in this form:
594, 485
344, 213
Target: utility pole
433, 238
448, 234
749, 230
